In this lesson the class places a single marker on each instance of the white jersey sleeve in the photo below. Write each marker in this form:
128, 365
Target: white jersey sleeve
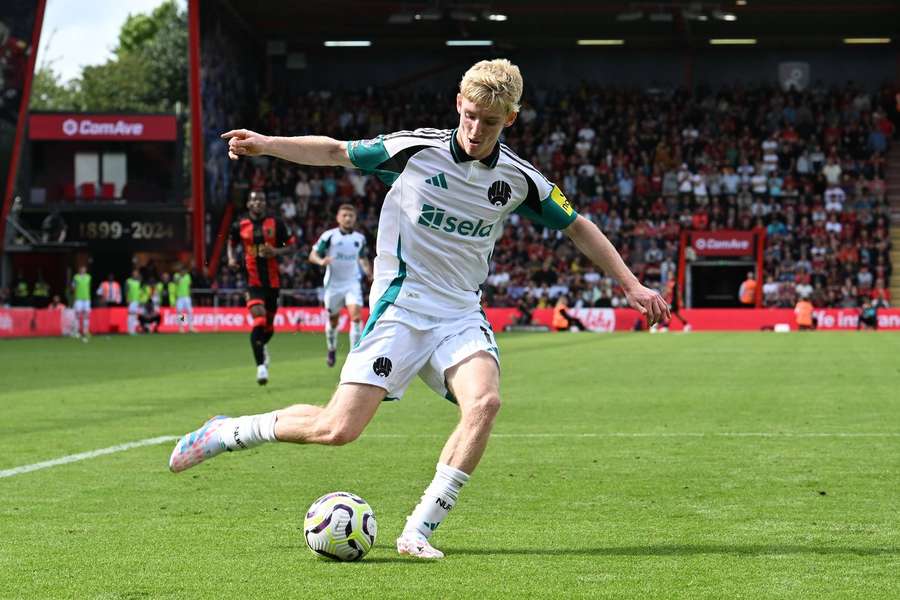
387, 155
324, 243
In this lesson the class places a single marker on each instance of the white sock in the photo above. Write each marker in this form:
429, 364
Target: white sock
85, 326
330, 336
355, 330
436, 502
241, 433
132, 322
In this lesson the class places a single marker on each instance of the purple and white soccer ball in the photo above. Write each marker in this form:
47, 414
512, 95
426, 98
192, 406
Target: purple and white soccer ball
340, 526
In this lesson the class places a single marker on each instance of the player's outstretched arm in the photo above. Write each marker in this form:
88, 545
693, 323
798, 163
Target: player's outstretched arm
317, 259
593, 244
314, 150
366, 267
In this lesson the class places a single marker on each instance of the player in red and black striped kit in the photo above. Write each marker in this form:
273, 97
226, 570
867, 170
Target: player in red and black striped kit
263, 239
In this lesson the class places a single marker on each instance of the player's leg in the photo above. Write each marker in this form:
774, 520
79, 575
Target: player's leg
84, 318
189, 314
384, 363
333, 304
354, 301
465, 369
475, 383
257, 334
355, 323
132, 318
180, 314
269, 330
351, 408
77, 327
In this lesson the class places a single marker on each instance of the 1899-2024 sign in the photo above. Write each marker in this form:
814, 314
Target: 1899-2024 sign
137, 230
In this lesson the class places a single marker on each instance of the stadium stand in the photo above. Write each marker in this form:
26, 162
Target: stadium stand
809, 167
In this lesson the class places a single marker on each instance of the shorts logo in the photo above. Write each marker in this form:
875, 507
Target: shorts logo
382, 366
499, 193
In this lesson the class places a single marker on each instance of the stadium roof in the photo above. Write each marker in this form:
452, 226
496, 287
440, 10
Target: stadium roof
548, 23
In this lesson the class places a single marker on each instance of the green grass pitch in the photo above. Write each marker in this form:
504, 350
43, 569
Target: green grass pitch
751, 465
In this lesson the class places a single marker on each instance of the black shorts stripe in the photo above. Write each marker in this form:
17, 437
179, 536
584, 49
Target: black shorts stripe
262, 271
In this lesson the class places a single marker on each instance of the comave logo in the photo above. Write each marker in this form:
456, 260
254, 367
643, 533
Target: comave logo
437, 218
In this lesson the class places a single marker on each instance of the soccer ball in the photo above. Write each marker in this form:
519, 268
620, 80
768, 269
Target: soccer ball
340, 526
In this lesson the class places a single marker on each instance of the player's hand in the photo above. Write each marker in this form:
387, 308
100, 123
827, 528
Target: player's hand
266, 251
327, 261
232, 263
243, 142
648, 303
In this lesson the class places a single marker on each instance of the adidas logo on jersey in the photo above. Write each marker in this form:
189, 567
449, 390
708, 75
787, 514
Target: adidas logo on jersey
438, 181
437, 218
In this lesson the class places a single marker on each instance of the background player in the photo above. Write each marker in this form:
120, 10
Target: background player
263, 238
671, 296
81, 285
133, 298
451, 192
183, 303
342, 252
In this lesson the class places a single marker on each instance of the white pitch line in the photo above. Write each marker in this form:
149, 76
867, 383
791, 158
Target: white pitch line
665, 434
63, 460
673, 434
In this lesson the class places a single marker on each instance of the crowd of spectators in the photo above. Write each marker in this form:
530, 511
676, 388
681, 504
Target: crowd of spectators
808, 167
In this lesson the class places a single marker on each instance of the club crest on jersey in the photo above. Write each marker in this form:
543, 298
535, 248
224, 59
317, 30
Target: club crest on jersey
499, 193
269, 231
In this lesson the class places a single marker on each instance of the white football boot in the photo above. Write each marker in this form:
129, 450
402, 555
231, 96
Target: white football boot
197, 446
415, 545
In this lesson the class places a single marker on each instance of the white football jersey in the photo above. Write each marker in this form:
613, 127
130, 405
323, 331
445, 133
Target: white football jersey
443, 214
345, 249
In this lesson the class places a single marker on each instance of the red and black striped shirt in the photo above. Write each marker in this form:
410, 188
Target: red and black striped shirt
251, 234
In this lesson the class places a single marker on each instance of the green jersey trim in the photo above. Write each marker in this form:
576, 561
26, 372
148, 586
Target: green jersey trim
387, 298
555, 211
370, 156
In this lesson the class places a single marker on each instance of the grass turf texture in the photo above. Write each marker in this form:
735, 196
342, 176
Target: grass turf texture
578, 507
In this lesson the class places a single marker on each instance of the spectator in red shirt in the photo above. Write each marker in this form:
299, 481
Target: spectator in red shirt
700, 220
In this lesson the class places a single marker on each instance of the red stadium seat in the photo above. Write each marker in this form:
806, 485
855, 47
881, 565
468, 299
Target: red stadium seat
108, 191
68, 192
88, 191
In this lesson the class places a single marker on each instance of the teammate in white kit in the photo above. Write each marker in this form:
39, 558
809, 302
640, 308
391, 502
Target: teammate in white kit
342, 252
451, 192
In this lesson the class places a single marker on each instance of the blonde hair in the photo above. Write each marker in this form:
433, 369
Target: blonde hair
493, 83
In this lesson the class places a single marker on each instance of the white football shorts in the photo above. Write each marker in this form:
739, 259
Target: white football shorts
82, 306
399, 344
339, 297
183, 304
